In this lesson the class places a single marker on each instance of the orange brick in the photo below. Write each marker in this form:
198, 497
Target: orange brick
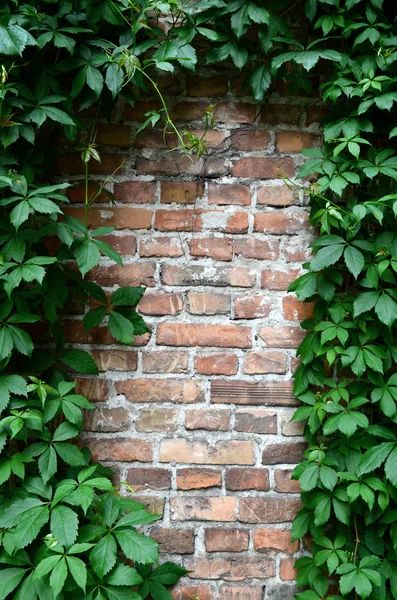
221, 336
160, 390
221, 539
216, 364
297, 311
265, 362
160, 304
279, 223
229, 194
294, 141
203, 508
181, 192
119, 449
275, 195
259, 167
205, 453
287, 571
195, 479
284, 483
135, 192
274, 540
251, 307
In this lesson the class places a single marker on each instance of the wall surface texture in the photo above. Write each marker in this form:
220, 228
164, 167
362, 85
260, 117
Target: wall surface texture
196, 417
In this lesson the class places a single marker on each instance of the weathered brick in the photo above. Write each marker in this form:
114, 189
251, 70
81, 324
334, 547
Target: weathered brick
182, 165
268, 509
241, 592
113, 135
284, 483
107, 419
250, 140
93, 388
164, 362
160, 390
76, 193
216, 248
270, 393
239, 480
188, 111
133, 274
201, 87
208, 304
251, 307
153, 504
294, 141
161, 246
139, 110
196, 479
274, 454
259, 167
206, 453
255, 421
275, 195
179, 220
274, 540
181, 192
123, 244
231, 569
274, 114
120, 449
278, 222
265, 362
237, 223
298, 248
287, 571
315, 114
203, 508
259, 249
221, 336
221, 539
143, 478
216, 364
173, 541
210, 420
278, 280
157, 419
282, 337
294, 310
288, 427
234, 113
190, 592
229, 194
160, 304
115, 360
71, 164
212, 276
124, 217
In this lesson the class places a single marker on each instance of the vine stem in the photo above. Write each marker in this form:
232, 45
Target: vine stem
357, 540
86, 202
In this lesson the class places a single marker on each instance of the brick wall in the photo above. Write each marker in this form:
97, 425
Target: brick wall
196, 416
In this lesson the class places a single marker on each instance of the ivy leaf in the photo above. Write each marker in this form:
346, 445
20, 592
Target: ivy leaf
13, 40
386, 309
64, 525
78, 571
137, 547
326, 256
87, 256
259, 80
81, 361
121, 328
103, 555
10, 578
58, 577
114, 78
94, 79
374, 457
354, 260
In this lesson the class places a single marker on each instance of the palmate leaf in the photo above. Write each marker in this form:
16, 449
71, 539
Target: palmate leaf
64, 525
137, 547
103, 555
10, 578
121, 328
87, 256
259, 80
29, 526
307, 58
81, 361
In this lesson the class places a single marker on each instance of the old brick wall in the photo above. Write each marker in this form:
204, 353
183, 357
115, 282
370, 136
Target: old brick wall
197, 416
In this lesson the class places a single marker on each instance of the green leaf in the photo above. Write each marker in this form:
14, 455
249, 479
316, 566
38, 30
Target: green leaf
354, 260
78, 571
374, 457
10, 578
121, 328
13, 40
64, 525
258, 14
30, 525
94, 79
114, 79
45, 566
48, 464
308, 479
168, 573
326, 256
58, 577
386, 309
87, 256
259, 80
124, 575
127, 296
80, 361
138, 547
103, 555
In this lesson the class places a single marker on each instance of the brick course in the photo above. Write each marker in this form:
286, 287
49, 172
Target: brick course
196, 416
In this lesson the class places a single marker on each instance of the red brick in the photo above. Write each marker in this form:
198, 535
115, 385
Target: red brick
294, 310
205, 453
188, 111
221, 336
115, 360
287, 571
208, 304
268, 509
216, 364
265, 362
274, 454
216, 248
298, 249
250, 140
196, 479
274, 540
205, 508
182, 165
241, 592
160, 390
161, 246
120, 449
133, 274
193, 592
202, 87
182, 192
135, 192
142, 478
72, 164
275, 195
260, 167
160, 304
139, 110
251, 307
164, 362
259, 249
234, 113
315, 114
256, 421
221, 539
294, 141
239, 480
113, 135
237, 223
229, 194
208, 275
210, 420
154, 138
123, 217
178, 220
76, 193
173, 541
157, 419
284, 483
274, 114
271, 393
279, 223
107, 419
278, 280
93, 388
282, 337
231, 569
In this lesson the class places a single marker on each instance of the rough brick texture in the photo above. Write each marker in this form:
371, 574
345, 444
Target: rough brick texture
196, 417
